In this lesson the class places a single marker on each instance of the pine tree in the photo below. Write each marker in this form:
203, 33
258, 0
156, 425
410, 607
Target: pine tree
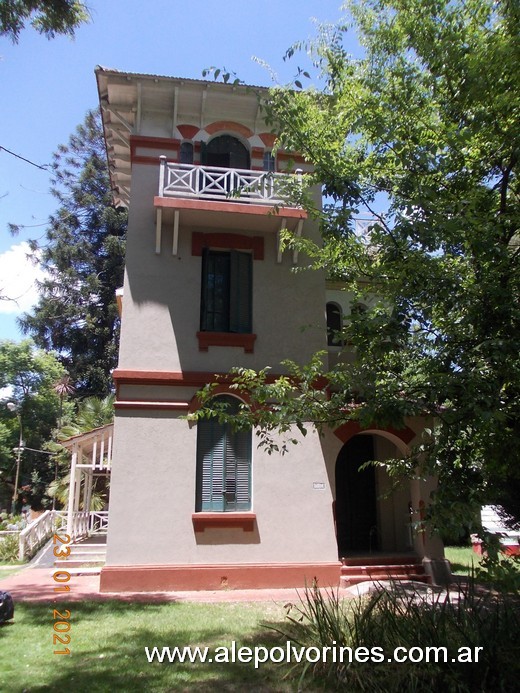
83, 257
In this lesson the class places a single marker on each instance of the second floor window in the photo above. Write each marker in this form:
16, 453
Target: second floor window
269, 162
226, 291
186, 153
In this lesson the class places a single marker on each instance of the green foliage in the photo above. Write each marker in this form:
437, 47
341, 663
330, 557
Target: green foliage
49, 17
30, 374
83, 257
410, 617
423, 126
500, 571
9, 548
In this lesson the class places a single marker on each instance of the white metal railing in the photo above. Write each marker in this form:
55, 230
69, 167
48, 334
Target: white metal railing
215, 183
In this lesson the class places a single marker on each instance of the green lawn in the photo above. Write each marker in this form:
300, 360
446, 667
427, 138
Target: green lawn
7, 571
462, 559
107, 648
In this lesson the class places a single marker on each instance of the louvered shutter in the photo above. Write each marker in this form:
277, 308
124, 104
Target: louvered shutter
211, 440
223, 465
241, 445
240, 293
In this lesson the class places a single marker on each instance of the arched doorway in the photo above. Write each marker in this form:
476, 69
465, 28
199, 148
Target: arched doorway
226, 151
356, 505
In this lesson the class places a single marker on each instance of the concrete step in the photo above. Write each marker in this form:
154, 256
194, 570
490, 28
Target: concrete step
378, 568
65, 565
353, 579
390, 559
84, 570
395, 569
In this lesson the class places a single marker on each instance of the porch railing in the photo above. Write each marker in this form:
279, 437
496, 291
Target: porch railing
79, 526
215, 183
98, 522
36, 534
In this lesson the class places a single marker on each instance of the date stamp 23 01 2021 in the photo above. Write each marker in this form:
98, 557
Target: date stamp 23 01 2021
61, 626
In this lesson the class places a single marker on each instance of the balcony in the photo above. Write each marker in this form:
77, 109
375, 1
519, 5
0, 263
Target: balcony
222, 184
224, 198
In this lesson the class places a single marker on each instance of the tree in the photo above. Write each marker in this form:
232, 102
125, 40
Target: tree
426, 126
84, 260
29, 376
49, 17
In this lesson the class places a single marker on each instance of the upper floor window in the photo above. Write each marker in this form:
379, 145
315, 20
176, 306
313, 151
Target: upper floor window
226, 295
226, 151
186, 153
269, 162
223, 464
334, 324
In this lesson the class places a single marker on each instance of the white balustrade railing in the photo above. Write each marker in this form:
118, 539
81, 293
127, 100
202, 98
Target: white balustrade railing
80, 525
215, 183
36, 534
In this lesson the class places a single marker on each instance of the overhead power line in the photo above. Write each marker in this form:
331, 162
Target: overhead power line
28, 161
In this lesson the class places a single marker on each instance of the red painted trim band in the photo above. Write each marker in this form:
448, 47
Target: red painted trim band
227, 241
207, 520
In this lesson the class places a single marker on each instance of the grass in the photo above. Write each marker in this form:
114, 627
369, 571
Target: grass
8, 570
107, 648
462, 559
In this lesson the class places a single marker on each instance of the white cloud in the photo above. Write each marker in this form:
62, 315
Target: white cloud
18, 274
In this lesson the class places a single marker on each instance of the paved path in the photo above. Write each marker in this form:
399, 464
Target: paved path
35, 584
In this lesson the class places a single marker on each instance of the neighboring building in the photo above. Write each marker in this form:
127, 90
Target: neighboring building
207, 287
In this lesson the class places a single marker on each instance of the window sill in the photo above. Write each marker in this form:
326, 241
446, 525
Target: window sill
226, 339
223, 520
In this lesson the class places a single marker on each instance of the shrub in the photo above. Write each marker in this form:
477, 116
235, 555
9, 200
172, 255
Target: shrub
408, 616
9, 548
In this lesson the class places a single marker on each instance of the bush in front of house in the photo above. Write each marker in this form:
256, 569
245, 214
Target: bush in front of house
410, 616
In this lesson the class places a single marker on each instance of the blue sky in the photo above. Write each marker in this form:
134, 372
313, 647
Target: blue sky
48, 86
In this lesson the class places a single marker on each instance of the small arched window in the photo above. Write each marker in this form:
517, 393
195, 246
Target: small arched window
186, 153
334, 324
223, 464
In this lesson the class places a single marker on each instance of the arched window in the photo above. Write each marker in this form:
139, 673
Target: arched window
334, 324
186, 153
223, 464
227, 152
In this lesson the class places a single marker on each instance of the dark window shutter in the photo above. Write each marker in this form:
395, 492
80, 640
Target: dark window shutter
240, 308
223, 465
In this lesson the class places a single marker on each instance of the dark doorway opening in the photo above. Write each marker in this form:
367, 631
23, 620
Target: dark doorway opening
356, 507
228, 152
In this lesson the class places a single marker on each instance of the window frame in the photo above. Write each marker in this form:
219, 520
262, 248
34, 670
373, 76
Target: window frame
223, 465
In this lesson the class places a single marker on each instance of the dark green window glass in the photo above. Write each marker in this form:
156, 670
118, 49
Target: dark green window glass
226, 299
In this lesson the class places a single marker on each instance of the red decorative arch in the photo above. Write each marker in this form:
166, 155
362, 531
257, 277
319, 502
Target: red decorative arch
351, 428
195, 403
228, 126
